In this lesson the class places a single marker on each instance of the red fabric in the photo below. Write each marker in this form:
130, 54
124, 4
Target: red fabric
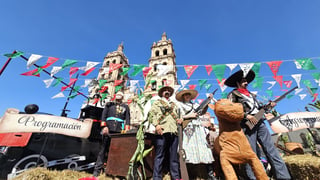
244, 91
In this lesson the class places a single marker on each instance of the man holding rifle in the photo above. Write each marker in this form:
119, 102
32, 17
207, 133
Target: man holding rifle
255, 129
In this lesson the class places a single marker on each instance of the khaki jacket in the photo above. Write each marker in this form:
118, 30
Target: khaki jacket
164, 113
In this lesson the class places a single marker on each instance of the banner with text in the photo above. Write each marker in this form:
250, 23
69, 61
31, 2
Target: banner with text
12, 121
295, 121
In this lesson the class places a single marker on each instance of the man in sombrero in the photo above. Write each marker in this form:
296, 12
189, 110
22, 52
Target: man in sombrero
164, 116
195, 132
260, 133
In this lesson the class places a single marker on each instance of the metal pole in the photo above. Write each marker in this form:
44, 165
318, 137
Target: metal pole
64, 114
6, 64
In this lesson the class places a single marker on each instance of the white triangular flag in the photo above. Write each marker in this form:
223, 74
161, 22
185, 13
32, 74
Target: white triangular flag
224, 87
55, 70
272, 84
163, 69
86, 82
246, 68
297, 78
298, 90
298, 65
302, 96
176, 88
91, 64
184, 83
33, 59
59, 95
232, 66
48, 82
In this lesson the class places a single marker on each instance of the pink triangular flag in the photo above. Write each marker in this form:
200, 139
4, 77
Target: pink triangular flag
287, 83
190, 69
278, 79
209, 69
274, 66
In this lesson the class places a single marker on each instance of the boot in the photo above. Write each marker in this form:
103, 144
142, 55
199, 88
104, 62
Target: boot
210, 172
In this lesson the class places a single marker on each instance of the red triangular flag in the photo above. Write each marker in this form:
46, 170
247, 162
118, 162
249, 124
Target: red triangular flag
129, 101
192, 86
278, 79
113, 67
209, 69
88, 71
117, 82
145, 71
287, 83
50, 61
274, 66
190, 69
73, 70
64, 88
31, 73
103, 89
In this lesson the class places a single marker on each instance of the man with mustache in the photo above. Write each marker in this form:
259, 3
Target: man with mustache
165, 116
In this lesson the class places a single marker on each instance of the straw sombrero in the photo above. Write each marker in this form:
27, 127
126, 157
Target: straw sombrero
164, 88
190, 91
238, 76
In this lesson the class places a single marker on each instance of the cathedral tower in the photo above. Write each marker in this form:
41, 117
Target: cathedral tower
163, 66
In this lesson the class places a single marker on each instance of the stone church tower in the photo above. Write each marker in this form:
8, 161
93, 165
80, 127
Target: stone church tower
115, 57
162, 55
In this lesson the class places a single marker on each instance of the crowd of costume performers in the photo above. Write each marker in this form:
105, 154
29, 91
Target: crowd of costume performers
232, 153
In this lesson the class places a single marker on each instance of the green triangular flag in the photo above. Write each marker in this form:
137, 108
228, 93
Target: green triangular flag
57, 81
117, 88
306, 63
258, 82
160, 86
136, 69
219, 70
269, 92
14, 55
73, 96
307, 82
202, 82
102, 82
256, 68
313, 90
39, 69
68, 63
208, 86
76, 89
316, 76
104, 95
125, 71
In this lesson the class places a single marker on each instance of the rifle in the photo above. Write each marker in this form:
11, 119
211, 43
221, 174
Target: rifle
182, 153
199, 110
267, 107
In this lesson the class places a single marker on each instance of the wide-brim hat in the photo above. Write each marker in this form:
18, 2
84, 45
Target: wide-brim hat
171, 90
186, 91
238, 76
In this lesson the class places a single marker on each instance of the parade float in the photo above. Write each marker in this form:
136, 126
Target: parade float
49, 143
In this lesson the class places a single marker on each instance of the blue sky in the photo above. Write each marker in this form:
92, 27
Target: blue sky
203, 32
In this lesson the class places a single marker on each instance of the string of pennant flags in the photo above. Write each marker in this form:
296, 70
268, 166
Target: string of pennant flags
306, 65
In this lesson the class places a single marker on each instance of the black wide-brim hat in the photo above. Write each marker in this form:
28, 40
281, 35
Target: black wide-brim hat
171, 90
238, 76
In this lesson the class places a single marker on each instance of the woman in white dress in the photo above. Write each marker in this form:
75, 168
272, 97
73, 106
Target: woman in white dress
194, 133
